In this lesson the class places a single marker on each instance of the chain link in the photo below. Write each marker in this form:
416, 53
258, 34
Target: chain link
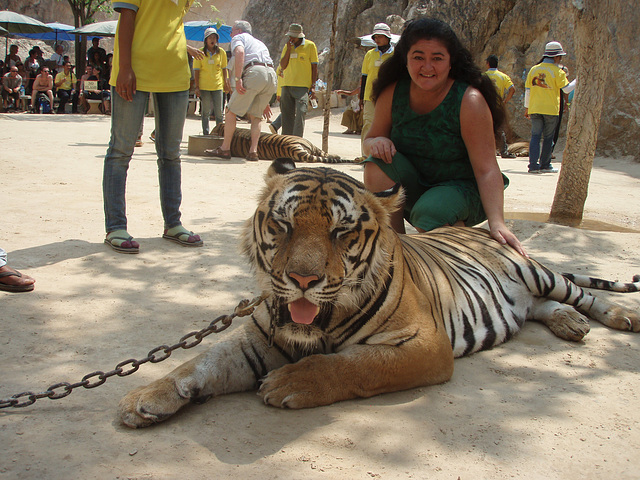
157, 355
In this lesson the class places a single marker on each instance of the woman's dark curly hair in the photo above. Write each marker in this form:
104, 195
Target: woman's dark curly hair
462, 66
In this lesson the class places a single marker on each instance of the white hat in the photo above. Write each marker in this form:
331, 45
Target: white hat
382, 29
553, 49
210, 31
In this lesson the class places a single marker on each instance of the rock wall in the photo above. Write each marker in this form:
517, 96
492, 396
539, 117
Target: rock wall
515, 30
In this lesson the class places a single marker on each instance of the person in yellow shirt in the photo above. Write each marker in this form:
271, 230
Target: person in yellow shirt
150, 57
299, 63
211, 79
542, 105
504, 87
66, 83
370, 66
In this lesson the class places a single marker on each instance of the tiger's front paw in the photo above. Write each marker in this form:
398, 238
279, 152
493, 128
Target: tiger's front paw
150, 404
296, 386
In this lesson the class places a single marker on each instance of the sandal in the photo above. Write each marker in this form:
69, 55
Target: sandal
182, 236
5, 287
122, 242
252, 157
218, 152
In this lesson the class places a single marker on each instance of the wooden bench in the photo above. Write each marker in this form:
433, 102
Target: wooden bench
25, 100
94, 106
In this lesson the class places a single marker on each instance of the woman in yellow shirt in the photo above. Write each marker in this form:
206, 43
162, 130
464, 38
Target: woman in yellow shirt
210, 75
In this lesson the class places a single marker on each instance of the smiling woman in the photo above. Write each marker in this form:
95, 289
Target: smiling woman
432, 99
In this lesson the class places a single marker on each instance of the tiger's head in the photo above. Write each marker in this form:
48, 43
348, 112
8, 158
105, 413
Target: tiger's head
320, 243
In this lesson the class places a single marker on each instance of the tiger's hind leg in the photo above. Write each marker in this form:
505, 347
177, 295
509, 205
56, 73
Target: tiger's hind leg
563, 320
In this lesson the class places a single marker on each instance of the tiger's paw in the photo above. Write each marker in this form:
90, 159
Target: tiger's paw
622, 318
294, 386
150, 404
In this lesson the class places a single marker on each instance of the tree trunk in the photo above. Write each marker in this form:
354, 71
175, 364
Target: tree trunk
593, 30
329, 80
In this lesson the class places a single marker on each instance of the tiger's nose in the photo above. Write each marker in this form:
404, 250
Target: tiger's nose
304, 281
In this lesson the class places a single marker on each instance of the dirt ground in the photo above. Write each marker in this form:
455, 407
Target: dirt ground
536, 407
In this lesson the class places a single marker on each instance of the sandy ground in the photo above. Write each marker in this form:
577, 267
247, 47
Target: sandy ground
536, 407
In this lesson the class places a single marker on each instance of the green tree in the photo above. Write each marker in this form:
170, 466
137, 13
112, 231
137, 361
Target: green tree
83, 14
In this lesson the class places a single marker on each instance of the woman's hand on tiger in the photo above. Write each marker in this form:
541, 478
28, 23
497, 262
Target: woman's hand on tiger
382, 148
505, 237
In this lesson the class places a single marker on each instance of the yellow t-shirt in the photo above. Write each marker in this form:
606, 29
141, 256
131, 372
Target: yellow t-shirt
500, 80
211, 67
69, 81
159, 47
370, 66
298, 72
545, 81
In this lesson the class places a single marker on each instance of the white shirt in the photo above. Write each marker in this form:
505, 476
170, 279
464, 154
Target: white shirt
254, 49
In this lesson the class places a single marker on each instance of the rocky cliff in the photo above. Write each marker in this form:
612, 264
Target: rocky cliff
515, 30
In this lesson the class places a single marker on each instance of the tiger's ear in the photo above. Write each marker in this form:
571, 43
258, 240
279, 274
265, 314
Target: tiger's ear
280, 166
392, 198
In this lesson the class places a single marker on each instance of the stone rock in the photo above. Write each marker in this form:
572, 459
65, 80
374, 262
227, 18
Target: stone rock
515, 30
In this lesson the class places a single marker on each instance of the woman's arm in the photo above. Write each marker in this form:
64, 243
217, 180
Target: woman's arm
126, 81
377, 141
477, 132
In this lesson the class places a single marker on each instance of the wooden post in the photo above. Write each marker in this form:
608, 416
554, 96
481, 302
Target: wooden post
329, 80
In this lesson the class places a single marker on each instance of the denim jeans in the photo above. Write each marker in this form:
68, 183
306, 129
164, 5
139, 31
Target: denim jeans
294, 103
542, 126
65, 96
126, 118
210, 101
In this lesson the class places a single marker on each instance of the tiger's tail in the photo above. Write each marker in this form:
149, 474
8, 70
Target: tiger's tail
599, 284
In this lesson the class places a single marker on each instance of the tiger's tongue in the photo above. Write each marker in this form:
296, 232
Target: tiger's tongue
303, 311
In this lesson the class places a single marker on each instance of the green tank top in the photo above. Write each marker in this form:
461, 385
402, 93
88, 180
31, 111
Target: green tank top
433, 141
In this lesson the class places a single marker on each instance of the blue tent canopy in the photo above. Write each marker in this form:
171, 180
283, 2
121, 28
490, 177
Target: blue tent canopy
59, 32
194, 31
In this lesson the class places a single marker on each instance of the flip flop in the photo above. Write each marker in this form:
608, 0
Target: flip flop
252, 157
14, 288
127, 243
182, 236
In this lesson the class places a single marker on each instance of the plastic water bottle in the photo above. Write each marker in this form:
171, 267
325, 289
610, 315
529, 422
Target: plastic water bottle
22, 92
41, 108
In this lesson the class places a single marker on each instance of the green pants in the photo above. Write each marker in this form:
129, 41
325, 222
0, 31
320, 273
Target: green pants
429, 206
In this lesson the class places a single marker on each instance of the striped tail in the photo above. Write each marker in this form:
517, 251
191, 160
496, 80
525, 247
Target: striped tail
600, 284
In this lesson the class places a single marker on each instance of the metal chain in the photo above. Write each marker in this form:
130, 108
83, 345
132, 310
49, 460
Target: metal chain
127, 367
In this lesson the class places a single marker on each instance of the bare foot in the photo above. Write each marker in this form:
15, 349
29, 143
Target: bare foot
12, 280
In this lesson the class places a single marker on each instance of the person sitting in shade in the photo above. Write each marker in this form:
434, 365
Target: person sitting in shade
42, 84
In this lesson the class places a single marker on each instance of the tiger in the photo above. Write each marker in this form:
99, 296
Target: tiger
272, 146
354, 309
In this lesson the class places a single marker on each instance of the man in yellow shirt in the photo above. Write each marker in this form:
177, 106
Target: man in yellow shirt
66, 83
370, 66
542, 105
299, 63
504, 87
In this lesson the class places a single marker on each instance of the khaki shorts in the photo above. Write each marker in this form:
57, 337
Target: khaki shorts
260, 82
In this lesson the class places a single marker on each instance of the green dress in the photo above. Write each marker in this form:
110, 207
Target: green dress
432, 163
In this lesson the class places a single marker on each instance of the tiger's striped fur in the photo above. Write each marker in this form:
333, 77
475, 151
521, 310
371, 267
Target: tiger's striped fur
355, 310
271, 147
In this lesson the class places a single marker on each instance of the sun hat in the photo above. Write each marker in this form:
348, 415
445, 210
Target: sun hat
382, 29
553, 49
295, 31
210, 31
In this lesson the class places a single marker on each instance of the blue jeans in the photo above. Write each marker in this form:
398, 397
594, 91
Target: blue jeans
294, 103
210, 101
126, 118
542, 126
